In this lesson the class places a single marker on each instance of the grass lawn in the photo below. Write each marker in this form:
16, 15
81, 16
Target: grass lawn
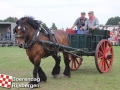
14, 62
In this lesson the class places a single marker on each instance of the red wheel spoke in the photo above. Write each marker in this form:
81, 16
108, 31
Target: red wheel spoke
106, 46
100, 52
109, 60
104, 66
102, 48
108, 49
74, 64
100, 62
77, 61
107, 63
101, 57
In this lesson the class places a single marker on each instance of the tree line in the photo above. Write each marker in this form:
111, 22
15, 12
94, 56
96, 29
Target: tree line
12, 19
110, 21
113, 21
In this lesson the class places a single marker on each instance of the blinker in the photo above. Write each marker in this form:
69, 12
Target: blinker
23, 29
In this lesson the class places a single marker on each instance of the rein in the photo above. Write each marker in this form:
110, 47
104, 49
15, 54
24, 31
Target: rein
19, 36
29, 43
35, 39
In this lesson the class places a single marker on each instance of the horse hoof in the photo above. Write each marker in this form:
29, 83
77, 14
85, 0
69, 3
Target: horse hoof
33, 84
42, 82
55, 76
30, 89
64, 76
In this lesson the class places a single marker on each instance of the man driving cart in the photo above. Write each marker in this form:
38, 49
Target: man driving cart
80, 22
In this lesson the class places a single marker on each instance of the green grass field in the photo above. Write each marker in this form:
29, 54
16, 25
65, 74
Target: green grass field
14, 62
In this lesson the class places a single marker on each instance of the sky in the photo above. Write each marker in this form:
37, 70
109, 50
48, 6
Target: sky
61, 12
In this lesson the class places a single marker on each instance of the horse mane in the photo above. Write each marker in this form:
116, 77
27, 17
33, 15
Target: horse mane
31, 21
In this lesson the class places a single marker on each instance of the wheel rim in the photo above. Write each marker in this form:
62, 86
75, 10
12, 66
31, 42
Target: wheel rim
104, 56
74, 62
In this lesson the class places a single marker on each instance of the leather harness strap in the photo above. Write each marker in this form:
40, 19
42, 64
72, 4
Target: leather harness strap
35, 39
52, 39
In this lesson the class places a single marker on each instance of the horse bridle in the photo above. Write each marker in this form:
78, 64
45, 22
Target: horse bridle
28, 44
35, 39
23, 29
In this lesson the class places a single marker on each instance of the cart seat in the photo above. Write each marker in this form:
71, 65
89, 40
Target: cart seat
69, 31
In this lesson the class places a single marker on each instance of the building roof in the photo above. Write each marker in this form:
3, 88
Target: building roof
7, 23
109, 25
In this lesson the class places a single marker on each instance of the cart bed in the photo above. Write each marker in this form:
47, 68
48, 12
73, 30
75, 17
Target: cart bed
89, 41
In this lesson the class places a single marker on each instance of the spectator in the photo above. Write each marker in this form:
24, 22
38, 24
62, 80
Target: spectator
106, 28
103, 28
113, 29
111, 33
118, 38
111, 39
8, 34
115, 39
116, 32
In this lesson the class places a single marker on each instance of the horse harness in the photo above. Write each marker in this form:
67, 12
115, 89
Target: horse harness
45, 32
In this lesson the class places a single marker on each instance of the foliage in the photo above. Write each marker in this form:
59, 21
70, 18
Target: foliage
113, 21
54, 27
9, 19
44, 25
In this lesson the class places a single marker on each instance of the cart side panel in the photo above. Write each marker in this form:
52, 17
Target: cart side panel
97, 35
78, 41
89, 41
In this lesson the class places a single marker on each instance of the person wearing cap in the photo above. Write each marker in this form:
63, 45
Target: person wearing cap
91, 23
80, 22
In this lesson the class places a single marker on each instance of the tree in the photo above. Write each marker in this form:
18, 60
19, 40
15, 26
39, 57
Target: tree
44, 25
113, 21
1, 20
9, 19
53, 26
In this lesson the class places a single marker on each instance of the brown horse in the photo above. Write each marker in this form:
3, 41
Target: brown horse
29, 36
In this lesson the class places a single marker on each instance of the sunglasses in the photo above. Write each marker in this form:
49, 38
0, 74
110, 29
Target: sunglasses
89, 13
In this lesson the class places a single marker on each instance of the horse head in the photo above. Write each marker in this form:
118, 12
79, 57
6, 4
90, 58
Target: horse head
25, 30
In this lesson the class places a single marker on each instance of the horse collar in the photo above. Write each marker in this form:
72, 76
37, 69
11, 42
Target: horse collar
33, 41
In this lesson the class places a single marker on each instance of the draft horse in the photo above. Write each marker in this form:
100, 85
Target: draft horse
30, 34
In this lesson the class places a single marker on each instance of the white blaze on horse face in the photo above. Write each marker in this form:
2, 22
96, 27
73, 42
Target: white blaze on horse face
19, 27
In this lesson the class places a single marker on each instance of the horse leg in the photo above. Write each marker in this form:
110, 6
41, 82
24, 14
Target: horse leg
66, 72
56, 69
41, 74
36, 63
34, 75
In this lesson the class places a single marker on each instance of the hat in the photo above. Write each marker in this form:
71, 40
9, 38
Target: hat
82, 12
90, 12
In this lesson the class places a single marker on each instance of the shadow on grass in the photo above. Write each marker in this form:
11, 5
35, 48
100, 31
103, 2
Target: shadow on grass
85, 71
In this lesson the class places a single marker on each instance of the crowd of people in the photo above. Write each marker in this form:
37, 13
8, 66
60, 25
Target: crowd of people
115, 36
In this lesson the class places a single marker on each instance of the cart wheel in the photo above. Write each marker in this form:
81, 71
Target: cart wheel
104, 56
74, 62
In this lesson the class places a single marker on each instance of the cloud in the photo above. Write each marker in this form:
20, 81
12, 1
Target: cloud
59, 11
8, 9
